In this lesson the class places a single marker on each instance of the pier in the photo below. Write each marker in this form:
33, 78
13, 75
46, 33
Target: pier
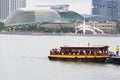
116, 60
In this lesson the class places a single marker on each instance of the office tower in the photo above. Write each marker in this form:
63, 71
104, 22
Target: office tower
7, 6
106, 9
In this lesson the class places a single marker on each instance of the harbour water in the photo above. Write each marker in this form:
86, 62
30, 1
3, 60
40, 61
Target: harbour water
24, 57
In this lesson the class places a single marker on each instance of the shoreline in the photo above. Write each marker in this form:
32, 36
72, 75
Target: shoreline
59, 34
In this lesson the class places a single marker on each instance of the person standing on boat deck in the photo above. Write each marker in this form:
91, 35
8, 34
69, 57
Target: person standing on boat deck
117, 51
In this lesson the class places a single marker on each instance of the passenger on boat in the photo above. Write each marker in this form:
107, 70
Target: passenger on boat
54, 51
117, 51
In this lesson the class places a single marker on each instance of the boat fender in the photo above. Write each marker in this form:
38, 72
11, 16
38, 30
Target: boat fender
75, 57
85, 57
94, 57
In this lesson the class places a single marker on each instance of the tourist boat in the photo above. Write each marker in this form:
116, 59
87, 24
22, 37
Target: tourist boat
82, 54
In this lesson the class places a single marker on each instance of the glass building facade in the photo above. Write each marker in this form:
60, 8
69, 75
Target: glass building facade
29, 16
39, 15
70, 16
106, 9
8, 6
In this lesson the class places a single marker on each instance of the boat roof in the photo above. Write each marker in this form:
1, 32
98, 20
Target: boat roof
84, 47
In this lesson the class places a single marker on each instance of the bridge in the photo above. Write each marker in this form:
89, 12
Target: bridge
83, 27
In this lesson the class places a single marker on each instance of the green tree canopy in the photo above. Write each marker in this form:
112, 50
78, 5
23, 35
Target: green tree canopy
118, 26
1, 25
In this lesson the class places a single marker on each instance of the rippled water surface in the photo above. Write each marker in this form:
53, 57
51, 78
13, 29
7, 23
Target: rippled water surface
25, 58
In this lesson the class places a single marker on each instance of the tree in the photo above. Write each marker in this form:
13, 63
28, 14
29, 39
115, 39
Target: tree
118, 26
32, 28
1, 25
67, 29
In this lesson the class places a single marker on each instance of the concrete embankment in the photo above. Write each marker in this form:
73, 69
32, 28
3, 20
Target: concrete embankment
16, 33
59, 34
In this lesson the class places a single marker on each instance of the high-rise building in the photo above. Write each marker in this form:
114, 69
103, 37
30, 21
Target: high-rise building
8, 6
106, 9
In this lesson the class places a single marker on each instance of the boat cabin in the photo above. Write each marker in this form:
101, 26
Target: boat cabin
90, 50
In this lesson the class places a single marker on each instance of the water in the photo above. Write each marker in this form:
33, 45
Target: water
25, 58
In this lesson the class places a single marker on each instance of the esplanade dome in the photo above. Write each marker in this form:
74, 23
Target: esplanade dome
32, 15
70, 15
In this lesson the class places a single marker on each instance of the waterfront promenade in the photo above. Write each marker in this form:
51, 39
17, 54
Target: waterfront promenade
58, 34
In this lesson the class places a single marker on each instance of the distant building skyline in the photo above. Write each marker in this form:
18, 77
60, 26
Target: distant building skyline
99, 9
106, 9
80, 6
8, 6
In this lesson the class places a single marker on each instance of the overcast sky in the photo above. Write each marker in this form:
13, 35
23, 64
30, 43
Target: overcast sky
80, 6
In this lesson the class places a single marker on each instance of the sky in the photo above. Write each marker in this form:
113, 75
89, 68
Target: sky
80, 6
